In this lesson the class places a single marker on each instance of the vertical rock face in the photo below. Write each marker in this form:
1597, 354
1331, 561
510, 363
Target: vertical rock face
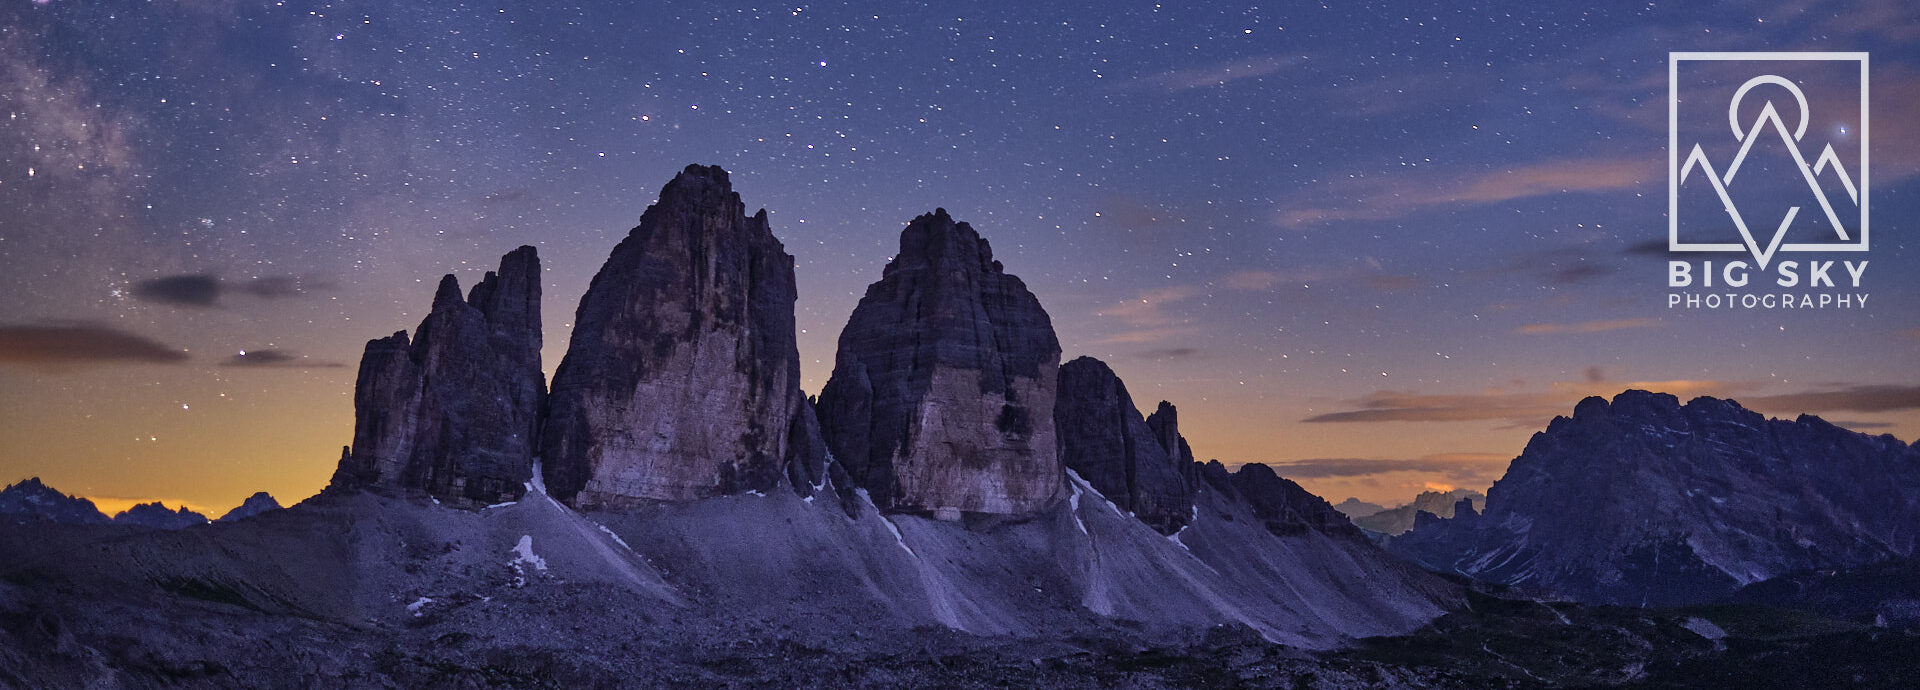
942, 392
454, 410
1165, 423
682, 379
1105, 441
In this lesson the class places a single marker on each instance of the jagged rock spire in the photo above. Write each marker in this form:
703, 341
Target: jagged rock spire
682, 379
1104, 440
454, 410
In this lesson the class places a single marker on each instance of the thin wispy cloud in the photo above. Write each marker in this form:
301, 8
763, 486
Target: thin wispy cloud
1393, 406
1169, 353
1146, 318
276, 359
1250, 281
1526, 408
1858, 425
1585, 327
204, 290
1471, 469
1216, 74
1367, 274
1535, 408
1868, 398
1397, 196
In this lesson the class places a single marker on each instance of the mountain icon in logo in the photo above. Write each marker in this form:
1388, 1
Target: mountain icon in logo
1769, 123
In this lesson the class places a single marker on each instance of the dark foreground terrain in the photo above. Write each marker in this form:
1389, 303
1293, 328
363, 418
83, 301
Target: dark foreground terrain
400, 597
204, 640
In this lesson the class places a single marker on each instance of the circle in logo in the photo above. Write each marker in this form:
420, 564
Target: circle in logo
1733, 107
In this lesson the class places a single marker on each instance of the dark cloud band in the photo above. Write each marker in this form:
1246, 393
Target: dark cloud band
203, 290
70, 344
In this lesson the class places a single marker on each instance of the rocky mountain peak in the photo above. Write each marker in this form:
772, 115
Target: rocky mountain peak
682, 378
942, 394
510, 297
447, 296
1402, 518
1354, 508
453, 411
1105, 441
1463, 508
935, 239
1680, 503
1165, 423
33, 499
259, 502
699, 185
1284, 507
158, 516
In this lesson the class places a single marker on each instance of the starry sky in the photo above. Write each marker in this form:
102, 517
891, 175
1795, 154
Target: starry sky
1378, 244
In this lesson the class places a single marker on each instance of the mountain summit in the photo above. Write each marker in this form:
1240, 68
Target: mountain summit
1399, 519
682, 378
1104, 439
32, 499
942, 393
1644, 501
453, 412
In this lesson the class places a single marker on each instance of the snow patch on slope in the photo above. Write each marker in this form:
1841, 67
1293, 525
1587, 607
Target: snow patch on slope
538, 484
523, 556
898, 538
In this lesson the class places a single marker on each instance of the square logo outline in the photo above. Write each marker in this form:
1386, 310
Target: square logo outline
1673, 147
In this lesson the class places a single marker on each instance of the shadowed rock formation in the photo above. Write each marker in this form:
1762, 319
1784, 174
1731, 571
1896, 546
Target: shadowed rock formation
1644, 501
1105, 441
259, 502
33, 500
1397, 520
682, 379
158, 516
454, 410
1282, 506
942, 392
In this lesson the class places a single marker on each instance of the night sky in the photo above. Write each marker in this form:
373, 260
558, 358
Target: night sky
1380, 243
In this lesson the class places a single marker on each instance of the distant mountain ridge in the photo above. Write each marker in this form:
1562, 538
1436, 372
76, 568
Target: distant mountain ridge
159, 516
259, 503
1399, 519
33, 499
1356, 508
1643, 501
